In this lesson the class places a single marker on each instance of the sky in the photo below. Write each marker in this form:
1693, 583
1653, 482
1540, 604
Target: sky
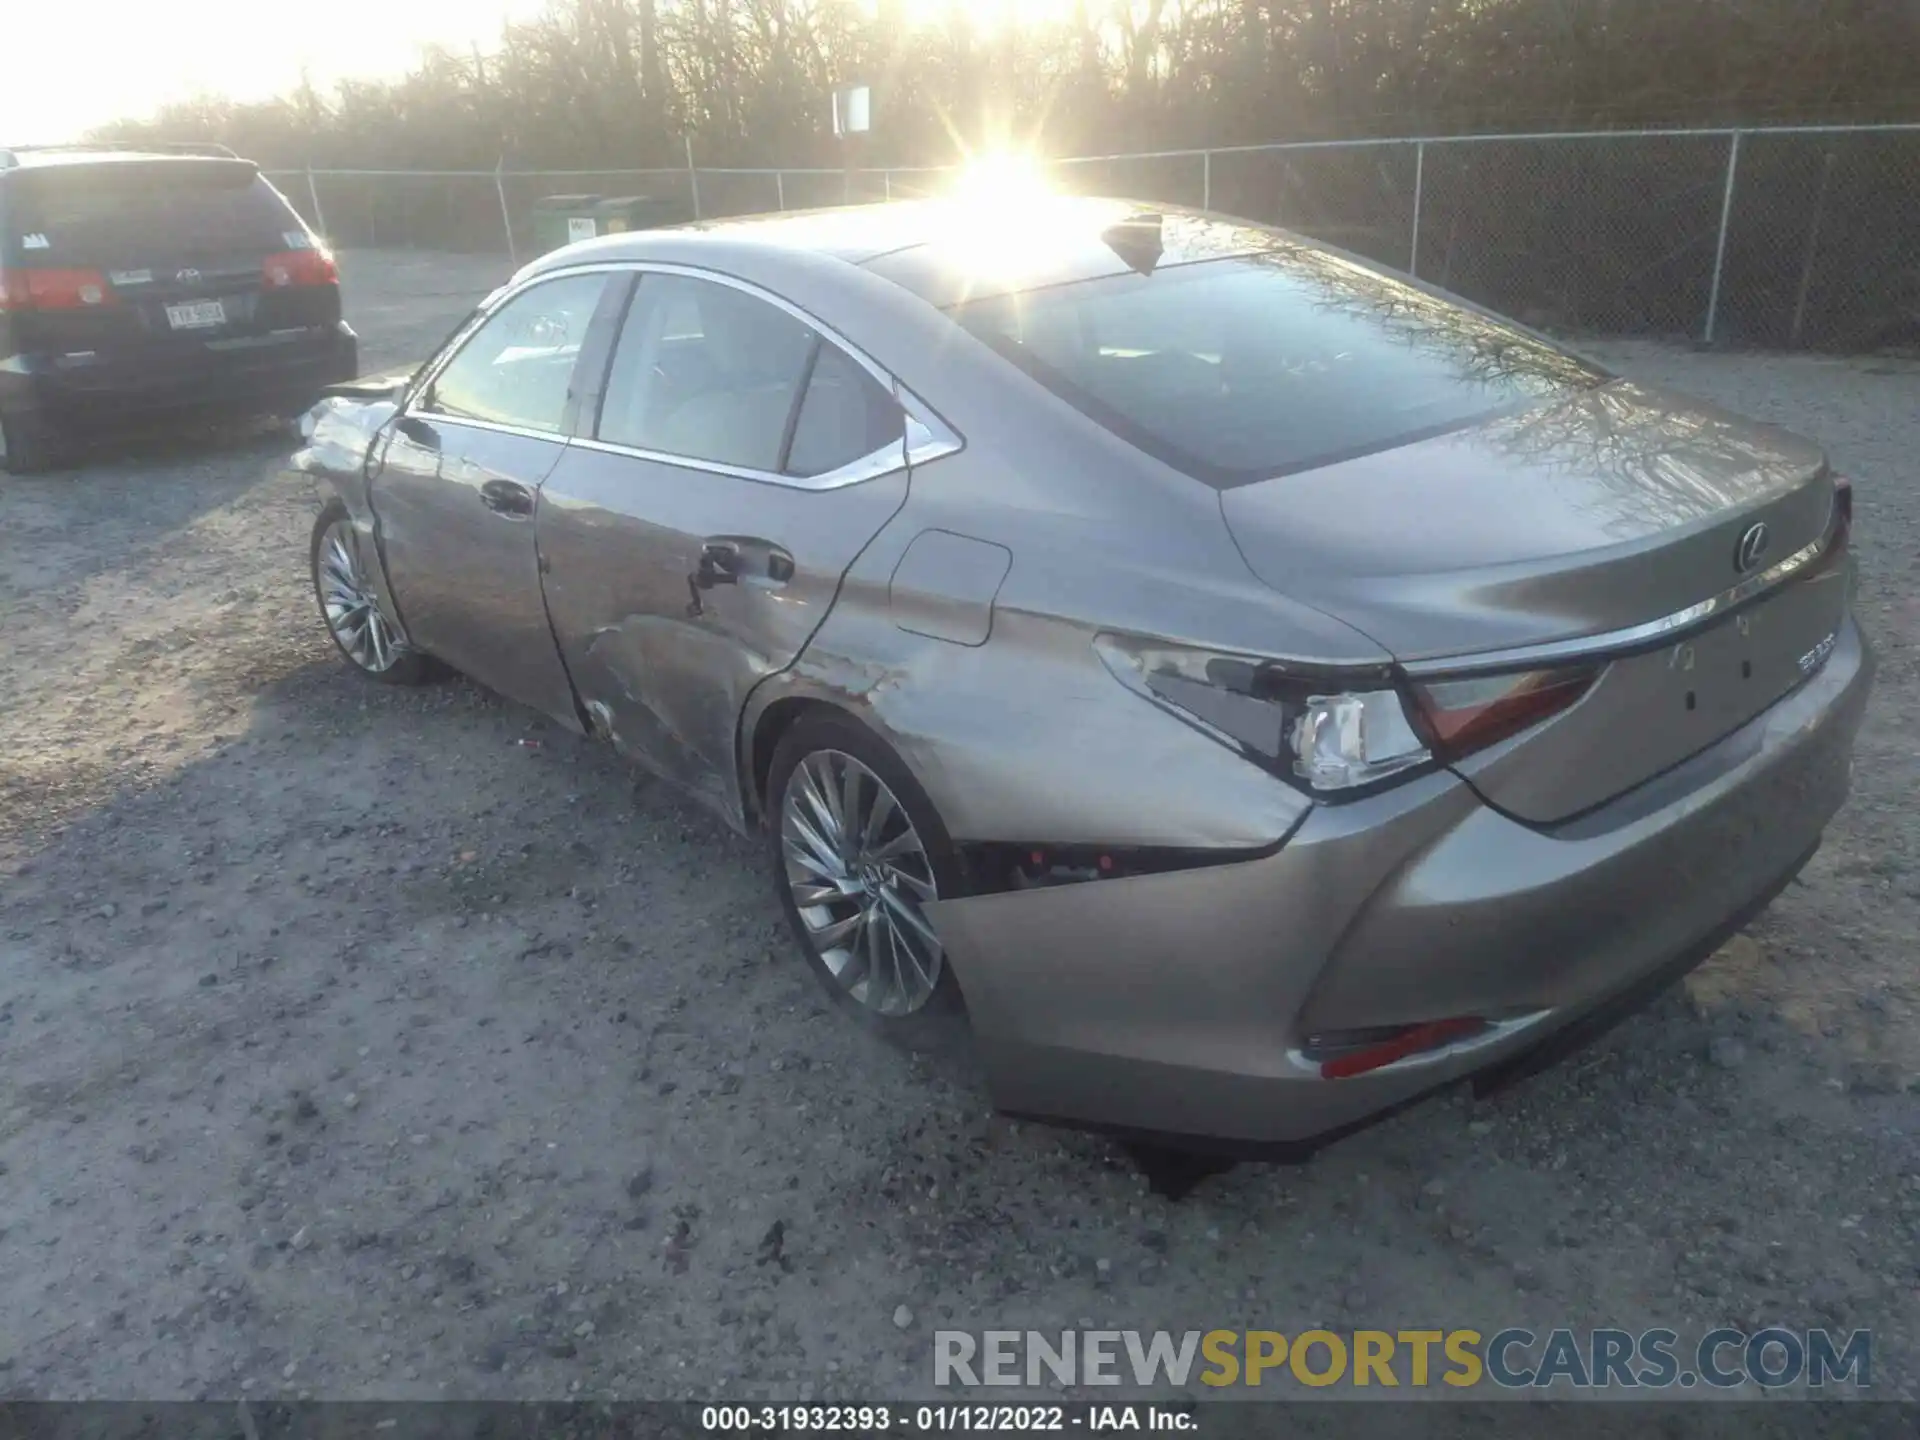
132, 56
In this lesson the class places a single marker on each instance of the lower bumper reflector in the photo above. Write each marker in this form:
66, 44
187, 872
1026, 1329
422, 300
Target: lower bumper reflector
1350, 1053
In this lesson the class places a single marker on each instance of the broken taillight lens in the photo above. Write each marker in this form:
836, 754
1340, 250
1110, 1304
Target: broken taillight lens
1332, 733
1462, 716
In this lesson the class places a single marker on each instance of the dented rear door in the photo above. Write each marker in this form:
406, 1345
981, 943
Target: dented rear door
694, 536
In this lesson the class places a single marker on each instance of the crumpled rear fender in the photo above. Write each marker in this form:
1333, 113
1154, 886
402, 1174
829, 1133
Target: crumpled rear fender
1027, 738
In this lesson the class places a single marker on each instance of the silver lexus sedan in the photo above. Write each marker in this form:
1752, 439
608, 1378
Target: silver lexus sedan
1246, 687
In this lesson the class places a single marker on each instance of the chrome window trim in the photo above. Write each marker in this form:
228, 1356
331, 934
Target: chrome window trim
1632, 636
927, 436
887, 460
524, 432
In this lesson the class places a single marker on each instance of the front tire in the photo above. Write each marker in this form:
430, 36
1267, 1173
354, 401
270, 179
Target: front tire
370, 639
856, 849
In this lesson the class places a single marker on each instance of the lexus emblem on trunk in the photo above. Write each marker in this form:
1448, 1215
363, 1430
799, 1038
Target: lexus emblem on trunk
1752, 546
192, 277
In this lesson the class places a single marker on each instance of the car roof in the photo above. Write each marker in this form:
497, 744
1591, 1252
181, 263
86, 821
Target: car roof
947, 251
47, 157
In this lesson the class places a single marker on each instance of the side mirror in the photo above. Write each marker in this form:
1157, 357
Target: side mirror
418, 432
377, 387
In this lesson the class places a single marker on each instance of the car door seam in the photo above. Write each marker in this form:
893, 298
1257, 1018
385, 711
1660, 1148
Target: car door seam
799, 403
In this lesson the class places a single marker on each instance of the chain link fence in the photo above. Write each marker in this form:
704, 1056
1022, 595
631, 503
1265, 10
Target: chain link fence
1805, 237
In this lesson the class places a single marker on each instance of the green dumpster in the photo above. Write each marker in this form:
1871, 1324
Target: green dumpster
562, 219
635, 212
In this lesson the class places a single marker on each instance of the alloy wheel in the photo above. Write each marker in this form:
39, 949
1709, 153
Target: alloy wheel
353, 614
860, 873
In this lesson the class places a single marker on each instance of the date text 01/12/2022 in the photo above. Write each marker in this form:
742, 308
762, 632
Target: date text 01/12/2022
938, 1419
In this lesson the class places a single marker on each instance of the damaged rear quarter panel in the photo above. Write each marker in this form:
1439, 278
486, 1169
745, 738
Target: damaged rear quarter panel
1017, 731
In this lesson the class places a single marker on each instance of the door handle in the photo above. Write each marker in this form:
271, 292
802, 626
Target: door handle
719, 564
507, 497
727, 560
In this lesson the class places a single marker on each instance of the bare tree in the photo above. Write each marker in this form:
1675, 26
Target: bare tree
617, 82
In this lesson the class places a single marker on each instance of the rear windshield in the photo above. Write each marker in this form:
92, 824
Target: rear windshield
126, 212
1240, 369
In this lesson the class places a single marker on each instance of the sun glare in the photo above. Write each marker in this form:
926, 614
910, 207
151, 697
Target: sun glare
1007, 220
1002, 180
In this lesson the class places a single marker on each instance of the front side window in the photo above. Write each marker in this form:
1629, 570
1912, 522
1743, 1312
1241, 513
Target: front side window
516, 368
710, 373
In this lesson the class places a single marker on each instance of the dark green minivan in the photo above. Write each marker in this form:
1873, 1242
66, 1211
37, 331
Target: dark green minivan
136, 285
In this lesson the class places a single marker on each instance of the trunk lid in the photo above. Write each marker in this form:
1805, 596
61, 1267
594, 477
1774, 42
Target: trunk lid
1601, 511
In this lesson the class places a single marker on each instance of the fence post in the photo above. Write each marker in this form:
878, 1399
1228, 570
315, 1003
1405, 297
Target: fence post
1813, 248
506, 215
1720, 247
1206, 179
1419, 194
886, 184
693, 176
313, 194
780, 188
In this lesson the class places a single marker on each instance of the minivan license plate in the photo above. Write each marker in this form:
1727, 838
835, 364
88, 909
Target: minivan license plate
197, 316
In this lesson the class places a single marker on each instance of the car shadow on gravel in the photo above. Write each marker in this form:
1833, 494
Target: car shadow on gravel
405, 1044
178, 441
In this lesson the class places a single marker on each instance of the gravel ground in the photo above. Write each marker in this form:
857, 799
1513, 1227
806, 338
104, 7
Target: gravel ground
356, 1049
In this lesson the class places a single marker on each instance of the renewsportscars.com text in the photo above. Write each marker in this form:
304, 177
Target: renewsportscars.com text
1512, 1358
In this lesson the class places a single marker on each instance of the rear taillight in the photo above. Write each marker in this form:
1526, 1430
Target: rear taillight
31, 289
300, 267
1462, 716
1842, 511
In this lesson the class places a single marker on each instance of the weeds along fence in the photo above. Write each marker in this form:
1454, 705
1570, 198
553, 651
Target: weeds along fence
1799, 237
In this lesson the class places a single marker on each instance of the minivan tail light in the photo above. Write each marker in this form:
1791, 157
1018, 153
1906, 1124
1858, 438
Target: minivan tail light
1462, 716
300, 267
34, 289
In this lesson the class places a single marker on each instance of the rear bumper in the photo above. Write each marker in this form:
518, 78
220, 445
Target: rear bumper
1176, 1003
251, 375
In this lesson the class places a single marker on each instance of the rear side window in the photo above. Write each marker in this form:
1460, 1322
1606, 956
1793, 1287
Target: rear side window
1241, 369
705, 371
708, 372
844, 416
123, 213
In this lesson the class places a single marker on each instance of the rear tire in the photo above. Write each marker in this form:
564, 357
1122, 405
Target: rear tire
368, 637
854, 847
28, 445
